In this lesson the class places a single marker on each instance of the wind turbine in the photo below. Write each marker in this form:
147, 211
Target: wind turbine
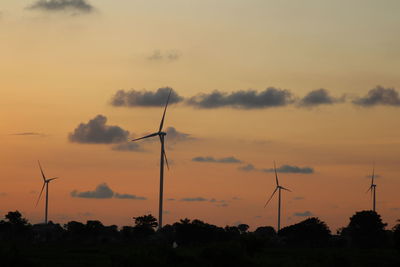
45, 184
161, 135
372, 188
278, 188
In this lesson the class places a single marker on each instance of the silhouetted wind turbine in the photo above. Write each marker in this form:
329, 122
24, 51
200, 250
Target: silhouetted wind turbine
277, 188
45, 184
372, 188
161, 135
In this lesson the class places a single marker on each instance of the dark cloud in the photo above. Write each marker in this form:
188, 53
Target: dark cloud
214, 160
103, 191
128, 196
303, 214
135, 98
128, 146
379, 96
291, 169
247, 168
171, 199
168, 55
250, 99
298, 198
194, 199
62, 5
174, 135
319, 97
97, 132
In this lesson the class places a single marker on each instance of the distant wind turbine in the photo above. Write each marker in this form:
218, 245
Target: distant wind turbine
277, 188
45, 184
161, 135
372, 188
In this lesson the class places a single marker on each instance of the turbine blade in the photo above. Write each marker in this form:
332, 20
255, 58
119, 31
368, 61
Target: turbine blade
285, 189
273, 193
147, 136
276, 175
163, 151
370, 188
166, 160
41, 170
40, 194
51, 179
165, 110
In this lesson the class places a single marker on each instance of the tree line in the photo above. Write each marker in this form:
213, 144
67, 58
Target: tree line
365, 229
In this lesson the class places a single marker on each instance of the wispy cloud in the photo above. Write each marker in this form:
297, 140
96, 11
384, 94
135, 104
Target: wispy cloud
218, 203
303, 214
28, 134
379, 96
81, 6
167, 55
281, 169
134, 98
243, 99
96, 131
103, 191
291, 169
217, 160
128, 147
194, 199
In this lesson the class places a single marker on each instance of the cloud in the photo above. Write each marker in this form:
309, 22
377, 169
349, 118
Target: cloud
282, 169
319, 97
379, 96
298, 198
194, 199
128, 196
144, 98
291, 169
168, 55
128, 146
250, 99
174, 135
28, 134
3, 194
247, 168
62, 5
171, 199
214, 160
303, 214
103, 191
97, 132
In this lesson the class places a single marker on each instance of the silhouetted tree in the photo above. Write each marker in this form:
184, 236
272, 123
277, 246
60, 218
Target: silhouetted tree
243, 228
396, 234
310, 232
15, 218
146, 221
366, 229
145, 225
265, 231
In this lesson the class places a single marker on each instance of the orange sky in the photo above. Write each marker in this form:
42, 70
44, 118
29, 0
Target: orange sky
60, 68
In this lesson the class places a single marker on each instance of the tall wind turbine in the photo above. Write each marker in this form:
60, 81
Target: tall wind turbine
45, 184
163, 156
372, 188
277, 188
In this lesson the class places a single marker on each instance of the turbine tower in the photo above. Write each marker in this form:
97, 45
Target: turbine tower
45, 184
163, 157
372, 188
278, 188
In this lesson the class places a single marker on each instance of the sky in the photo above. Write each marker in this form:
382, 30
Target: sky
312, 85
